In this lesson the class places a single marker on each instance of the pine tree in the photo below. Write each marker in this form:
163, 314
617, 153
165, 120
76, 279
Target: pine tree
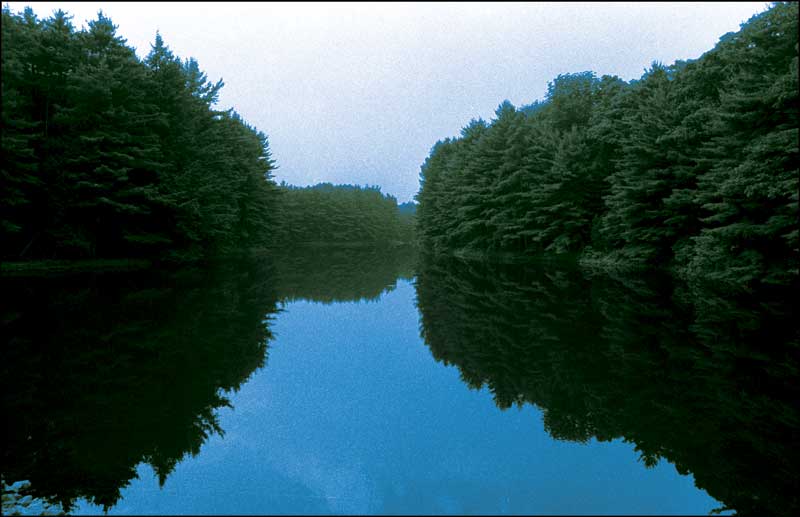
636, 215
20, 183
750, 192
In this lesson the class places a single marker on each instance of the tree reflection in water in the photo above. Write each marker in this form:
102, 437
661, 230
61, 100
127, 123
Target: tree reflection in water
705, 380
104, 371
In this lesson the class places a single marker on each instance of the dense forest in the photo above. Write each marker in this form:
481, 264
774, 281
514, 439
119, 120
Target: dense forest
345, 214
109, 155
687, 373
693, 167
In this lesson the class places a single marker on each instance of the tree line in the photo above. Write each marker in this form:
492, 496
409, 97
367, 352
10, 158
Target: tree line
109, 155
345, 214
693, 167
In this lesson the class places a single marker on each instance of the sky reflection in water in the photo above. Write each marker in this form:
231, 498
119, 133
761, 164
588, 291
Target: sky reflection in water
351, 414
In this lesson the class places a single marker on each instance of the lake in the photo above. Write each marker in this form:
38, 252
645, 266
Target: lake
382, 382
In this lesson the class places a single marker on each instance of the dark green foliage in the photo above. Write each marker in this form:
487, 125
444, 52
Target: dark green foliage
341, 214
749, 196
446, 218
693, 167
702, 378
106, 155
407, 213
636, 214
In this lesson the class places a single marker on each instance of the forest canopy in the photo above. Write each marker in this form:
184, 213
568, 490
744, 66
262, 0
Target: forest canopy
345, 214
693, 167
109, 155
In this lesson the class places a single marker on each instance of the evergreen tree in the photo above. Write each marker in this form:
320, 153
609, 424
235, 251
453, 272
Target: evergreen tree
107, 155
636, 215
692, 167
750, 194
338, 214
20, 183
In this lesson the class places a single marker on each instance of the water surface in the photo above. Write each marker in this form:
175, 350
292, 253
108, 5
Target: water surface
369, 382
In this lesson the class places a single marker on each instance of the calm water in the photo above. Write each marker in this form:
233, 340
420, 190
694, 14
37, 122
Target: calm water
367, 382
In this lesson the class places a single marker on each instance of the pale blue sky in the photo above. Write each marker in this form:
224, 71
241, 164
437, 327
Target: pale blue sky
359, 92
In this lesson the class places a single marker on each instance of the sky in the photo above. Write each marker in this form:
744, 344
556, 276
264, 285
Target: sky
359, 92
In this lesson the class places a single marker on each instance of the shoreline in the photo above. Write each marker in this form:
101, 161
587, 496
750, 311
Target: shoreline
47, 266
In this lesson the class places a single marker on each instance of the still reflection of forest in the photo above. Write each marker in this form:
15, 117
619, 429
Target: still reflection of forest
104, 371
704, 379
